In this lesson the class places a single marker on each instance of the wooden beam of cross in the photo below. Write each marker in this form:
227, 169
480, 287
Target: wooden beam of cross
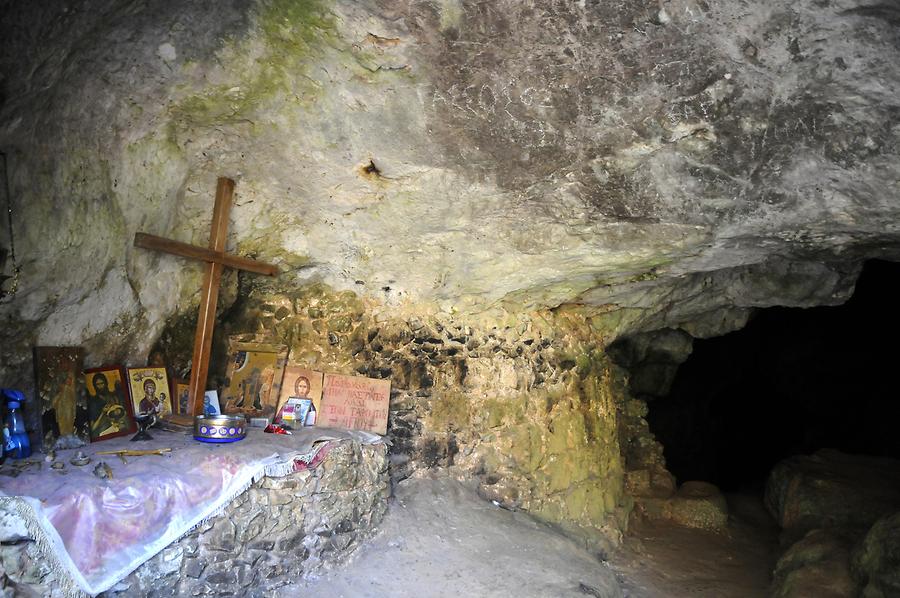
216, 259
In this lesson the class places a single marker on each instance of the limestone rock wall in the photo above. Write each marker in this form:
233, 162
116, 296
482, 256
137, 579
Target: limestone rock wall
680, 162
273, 534
875, 561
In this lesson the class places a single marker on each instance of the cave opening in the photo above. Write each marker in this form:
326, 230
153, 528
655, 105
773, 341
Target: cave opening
792, 381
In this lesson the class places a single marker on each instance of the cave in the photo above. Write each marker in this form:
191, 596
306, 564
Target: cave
792, 381
583, 288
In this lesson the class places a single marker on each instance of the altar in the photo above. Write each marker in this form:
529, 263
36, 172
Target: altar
201, 519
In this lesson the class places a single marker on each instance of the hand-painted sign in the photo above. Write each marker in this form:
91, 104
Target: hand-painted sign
354, 402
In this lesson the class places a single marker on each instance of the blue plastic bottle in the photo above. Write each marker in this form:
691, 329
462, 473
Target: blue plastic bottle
15, 438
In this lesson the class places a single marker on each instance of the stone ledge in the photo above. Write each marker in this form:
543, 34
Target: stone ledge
276, 532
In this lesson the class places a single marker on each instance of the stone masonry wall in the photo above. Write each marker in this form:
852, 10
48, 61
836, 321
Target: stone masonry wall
278, 531
527, 404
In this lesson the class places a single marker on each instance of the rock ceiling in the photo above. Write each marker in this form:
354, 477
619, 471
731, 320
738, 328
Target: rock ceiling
680, 157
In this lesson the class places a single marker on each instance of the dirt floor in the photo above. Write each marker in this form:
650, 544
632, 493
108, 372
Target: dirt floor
661, 559
440, 539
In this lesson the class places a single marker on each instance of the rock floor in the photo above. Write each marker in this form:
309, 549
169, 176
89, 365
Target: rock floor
660, 559
439, 539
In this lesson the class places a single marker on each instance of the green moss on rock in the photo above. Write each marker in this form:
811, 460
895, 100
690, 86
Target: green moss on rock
275, 59
449, 412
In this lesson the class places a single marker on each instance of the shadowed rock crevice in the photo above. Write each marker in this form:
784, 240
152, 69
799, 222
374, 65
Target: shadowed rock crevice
793, 381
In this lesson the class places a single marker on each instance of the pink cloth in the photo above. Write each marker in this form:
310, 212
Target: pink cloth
101, 530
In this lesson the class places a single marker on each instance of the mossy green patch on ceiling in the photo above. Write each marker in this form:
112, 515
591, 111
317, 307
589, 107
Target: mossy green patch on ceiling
260, 76
272, 61
294, 27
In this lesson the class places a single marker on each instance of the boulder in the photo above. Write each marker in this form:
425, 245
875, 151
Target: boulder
817, 566
700, 505
653, 482
830, 489
696, 504
876, 559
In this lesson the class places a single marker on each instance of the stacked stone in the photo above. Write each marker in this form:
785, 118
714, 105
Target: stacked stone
276, 532
652, 359
646, 476
518, 410
526, 403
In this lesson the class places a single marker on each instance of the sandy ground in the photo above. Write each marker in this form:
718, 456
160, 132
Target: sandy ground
439, 539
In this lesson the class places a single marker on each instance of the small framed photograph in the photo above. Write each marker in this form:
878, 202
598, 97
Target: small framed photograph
211, 403
180, 404
108, 404
253, 378
150, 390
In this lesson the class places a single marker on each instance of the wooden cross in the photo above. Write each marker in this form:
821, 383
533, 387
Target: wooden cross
216, 259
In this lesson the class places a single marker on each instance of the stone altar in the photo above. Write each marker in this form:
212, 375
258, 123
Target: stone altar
277, 531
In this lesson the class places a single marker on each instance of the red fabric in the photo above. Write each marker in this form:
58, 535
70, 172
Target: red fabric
320, 456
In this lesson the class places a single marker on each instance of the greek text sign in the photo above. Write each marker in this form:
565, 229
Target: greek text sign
356, 403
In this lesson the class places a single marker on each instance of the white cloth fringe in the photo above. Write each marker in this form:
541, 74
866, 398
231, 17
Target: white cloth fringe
47, 548
69, 579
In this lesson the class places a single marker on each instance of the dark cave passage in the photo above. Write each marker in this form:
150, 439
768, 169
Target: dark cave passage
791, 382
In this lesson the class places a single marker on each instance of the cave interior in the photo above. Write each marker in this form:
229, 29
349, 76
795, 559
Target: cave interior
618, 277
792, 381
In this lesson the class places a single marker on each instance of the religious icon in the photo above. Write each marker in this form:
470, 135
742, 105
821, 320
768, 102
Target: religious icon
150, 391
180, 404
65, 421
108, 404
253, 378
299, 383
